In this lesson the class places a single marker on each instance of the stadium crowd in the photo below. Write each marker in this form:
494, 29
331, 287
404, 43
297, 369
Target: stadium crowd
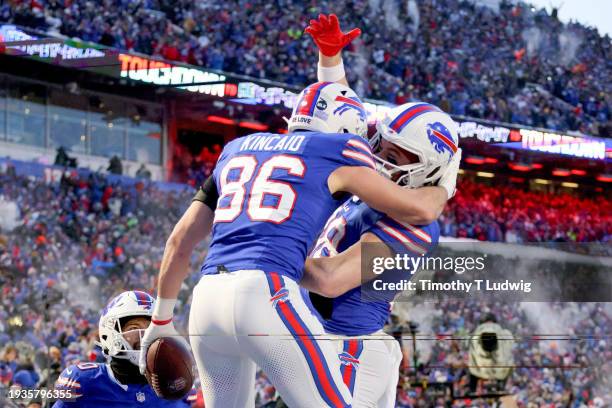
512, 64
511, 214
78, 241
577, 358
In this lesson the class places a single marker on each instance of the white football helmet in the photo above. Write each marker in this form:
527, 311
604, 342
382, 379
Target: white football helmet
424, 130
329, 107
113, 340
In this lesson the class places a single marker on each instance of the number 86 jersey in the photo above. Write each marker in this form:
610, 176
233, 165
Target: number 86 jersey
274, 199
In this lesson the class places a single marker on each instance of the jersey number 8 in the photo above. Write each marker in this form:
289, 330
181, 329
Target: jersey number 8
262, 185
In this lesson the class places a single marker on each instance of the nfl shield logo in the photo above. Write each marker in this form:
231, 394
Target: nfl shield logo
140, 396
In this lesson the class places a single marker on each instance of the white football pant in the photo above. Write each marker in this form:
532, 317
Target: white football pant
243, 319
370, 368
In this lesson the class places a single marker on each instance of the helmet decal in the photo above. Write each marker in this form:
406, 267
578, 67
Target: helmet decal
329, 107
441, 139
350, 103
144, 299
409, 114
423, 130
308, 101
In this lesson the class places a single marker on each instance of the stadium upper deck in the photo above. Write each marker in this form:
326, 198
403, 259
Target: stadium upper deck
523, 66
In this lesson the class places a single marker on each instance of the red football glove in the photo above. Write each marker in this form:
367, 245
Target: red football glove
327, 35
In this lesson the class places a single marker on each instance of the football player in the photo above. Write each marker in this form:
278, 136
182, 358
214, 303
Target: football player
268, 198
118, 383
413, 145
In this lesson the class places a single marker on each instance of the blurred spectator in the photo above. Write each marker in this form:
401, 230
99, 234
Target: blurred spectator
143, 172
63, 159
508, 213
115, 166
85, 238
504, 61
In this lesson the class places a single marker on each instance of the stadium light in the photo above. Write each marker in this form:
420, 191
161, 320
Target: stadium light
474, 160
561, 172
519, 166
606, 178
485, 174
570, 185
578, 172
253, 125
541, 181
480, 160
221, 119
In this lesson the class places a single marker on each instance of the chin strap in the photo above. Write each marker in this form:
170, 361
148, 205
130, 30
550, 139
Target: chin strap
126, 372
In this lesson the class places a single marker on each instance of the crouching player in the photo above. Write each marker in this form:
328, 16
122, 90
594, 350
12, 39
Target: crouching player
119, 382
414, 145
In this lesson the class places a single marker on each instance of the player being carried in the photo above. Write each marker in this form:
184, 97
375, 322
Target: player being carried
266, 202
413, 146
117, 384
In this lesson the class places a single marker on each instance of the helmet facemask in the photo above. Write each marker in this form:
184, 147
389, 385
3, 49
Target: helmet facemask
116, 343
412, 175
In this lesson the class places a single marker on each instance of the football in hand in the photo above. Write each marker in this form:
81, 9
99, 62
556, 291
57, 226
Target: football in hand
169, 368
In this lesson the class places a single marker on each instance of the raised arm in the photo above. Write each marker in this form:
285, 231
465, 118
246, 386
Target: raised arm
330, 40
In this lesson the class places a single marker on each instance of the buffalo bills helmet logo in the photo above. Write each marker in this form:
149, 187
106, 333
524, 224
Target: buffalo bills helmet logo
144, 299
350, 103
441, 139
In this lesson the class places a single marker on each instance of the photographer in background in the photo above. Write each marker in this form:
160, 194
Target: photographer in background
491, 358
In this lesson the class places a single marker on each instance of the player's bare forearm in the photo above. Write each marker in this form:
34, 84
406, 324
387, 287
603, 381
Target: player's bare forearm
418, 206
333, 61
333, 276
326, 61
192, 228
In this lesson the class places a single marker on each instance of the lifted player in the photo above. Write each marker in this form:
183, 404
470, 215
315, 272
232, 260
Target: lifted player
117, 384
413, 146
271, 195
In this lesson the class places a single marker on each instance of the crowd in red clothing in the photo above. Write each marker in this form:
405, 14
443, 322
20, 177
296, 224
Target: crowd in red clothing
193, 169
512, 214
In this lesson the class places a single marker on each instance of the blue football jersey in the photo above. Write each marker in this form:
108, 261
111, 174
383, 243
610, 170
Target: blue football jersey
274, 199
349, 315
93, 385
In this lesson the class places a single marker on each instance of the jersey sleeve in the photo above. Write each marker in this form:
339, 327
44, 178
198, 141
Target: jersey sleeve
70, 381
348, 150
405, 238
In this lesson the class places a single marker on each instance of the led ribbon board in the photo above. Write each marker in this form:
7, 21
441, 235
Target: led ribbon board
21, 42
